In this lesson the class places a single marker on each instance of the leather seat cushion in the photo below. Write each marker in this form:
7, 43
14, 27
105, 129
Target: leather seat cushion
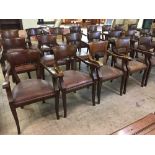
31, 90
135, 66
75, 79
108, 73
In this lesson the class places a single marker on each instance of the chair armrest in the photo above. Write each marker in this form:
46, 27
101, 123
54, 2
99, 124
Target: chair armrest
90, 62
56, 72
148, 53
83, 34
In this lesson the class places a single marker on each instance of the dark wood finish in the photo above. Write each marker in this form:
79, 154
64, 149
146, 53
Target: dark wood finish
6, 24
27, 91
106, 72
71, 79
144, 126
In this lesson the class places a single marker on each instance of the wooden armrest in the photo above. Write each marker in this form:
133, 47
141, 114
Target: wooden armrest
97, 63
123, 57
56, 72
149, 53
83, 34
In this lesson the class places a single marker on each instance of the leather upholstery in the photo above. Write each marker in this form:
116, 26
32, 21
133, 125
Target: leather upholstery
75, 79
30, 90
108, 73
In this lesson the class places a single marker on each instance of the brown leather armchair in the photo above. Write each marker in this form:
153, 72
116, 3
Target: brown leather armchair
104, 71
92, 28
9, 34
31, 90
72, 79
75, 29
122, 47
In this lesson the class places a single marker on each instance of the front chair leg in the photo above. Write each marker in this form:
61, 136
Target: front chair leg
29, 75
57, 104
147, 76
99, 86
14, 113
64, 104
122, 85
93, 93
125, 82
144, 77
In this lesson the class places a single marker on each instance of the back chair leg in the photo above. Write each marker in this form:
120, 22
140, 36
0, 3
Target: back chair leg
93, 93
99, 86
14, 113
64, 104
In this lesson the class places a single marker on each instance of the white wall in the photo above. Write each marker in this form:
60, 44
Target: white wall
29, 23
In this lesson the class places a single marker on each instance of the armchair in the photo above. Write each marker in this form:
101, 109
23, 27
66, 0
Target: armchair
31, 90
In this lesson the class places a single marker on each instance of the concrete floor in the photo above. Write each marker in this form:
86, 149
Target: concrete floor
114, 112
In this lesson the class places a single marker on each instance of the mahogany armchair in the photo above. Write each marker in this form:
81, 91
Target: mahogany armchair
122, 47
72, 80
31, 90
106, 72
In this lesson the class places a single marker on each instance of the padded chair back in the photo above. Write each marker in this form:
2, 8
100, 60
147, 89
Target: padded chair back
94, 36
47, 40
119, 27
106, 28
116, 34
75, 29
98, 47
21, 57
13, 43
132, 26
34, 31
73, 38
10, 34
145, 40
92, 28
57, 30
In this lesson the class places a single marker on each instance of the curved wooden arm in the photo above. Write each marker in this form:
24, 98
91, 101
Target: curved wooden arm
147, 52
56, 72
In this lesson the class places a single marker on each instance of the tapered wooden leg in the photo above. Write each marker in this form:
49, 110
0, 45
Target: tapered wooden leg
14, 113
122, 85
143, 78
147, 76
99, 86
64, 104
29, 75
125, 83
57, 105
93, 93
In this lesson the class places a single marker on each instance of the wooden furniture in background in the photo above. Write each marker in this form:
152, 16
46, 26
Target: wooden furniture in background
6, 24
144, 126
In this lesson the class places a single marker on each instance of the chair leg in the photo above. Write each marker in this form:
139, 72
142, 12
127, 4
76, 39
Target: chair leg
29, 75
125, 82
14, 113
143, 78
122, 85
79, 65
93, 93
99, 86
147, 76
43, 74
64, 104
57, 105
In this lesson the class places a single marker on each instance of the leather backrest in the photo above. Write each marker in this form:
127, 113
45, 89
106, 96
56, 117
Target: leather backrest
71, 37
106, 27
9, 34
64, 51
92, 28
122, 43
93, 36
100, 46
132, 26
46, 39
57, 30
34, 31
115, 33
119, 27
75, 29
13, 43
145, 40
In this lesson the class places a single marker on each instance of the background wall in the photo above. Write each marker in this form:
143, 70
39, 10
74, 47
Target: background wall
29, 23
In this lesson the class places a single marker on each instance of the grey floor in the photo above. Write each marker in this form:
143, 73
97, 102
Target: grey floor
112, 113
